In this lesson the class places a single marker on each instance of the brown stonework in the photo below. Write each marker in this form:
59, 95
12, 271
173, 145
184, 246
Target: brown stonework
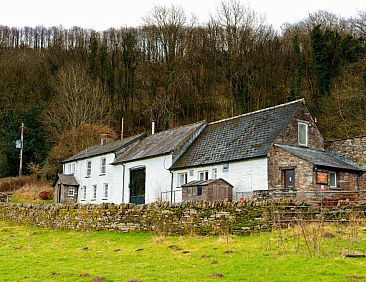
305, 174
63, 196
352, 148
289, 135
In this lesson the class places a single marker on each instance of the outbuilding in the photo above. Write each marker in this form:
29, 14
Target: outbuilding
66, 189
207, 190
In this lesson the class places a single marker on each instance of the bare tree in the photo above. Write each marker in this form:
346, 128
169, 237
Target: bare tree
77, 100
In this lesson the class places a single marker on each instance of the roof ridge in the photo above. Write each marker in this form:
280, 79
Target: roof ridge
174, 128
261, 110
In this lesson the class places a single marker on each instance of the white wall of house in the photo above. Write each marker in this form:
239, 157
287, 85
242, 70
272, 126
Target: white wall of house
158, 176
97, 178
245, 176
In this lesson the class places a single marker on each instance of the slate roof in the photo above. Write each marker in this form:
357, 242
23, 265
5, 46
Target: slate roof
158, 144
322, 158
68, 179
246, 136
203, 182
104, 149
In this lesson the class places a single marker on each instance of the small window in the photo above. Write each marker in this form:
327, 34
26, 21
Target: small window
189, 191
102, 165
203, 175
191, 172
88, 169
73, 168
332, 179
71, 191
182, 178
225, 167
105, 191
69, 169
83, 193
303, 133
94, 193
214, 173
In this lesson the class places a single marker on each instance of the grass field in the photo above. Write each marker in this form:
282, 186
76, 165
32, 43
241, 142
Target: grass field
33, 254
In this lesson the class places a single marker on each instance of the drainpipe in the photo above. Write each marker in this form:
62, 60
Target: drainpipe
123, 184
171, 187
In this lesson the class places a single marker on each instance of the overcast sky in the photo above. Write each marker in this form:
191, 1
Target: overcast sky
103, 14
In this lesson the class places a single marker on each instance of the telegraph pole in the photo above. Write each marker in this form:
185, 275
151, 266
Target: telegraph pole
21, 149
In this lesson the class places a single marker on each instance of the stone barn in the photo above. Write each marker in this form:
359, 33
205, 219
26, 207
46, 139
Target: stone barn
66, 189
207, 190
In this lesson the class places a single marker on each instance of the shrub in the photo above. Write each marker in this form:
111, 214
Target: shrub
45, 195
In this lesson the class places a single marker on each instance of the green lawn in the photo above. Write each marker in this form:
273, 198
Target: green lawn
33, 254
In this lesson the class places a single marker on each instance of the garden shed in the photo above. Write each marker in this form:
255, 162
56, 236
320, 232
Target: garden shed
207, 190
65, 189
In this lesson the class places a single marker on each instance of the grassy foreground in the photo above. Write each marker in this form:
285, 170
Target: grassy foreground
33, 254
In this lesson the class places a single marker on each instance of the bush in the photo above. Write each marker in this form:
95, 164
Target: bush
45, 195
11, 184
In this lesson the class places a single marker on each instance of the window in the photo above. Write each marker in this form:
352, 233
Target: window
199, 190
203, 175
71, 191
214, 173
68, 168
83, 193
182, 178
194, 191
332, 179
105, 191
191, 172
94, 193
225, 167
73, 168
102, 165
88, 169
303, 133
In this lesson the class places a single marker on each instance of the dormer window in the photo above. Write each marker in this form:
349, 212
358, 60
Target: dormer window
303, 133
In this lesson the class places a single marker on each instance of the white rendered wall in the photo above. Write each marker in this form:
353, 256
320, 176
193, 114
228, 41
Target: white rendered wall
96, 178
245, 176
158, 176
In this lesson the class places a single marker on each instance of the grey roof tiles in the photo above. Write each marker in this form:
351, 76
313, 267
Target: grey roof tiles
247, 136
68, 179
110, 147
321, 158
159, 143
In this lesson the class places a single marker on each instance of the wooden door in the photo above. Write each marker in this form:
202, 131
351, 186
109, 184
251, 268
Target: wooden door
137, 185
289, 175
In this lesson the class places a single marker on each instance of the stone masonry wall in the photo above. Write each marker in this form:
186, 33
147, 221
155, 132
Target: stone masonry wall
201, 218
352, 148
289, 135
279, 160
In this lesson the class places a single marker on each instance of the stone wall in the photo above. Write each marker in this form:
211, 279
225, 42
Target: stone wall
278, 160
289, 135
201, 218
352, 148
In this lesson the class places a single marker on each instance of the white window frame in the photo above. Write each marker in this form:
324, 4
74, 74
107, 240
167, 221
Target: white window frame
335, 179
182, 176
204, 173
68, 168
103, 166
300, 123
214, 173
71, 192
73, 168
94, 192
83, 193
88, 169
105, 191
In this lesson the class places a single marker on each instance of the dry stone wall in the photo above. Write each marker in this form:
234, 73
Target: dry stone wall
201, 218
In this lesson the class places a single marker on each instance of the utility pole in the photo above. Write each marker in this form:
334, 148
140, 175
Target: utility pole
122, 121
21, 149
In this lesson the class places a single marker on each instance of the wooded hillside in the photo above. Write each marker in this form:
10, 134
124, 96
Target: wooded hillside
70, 85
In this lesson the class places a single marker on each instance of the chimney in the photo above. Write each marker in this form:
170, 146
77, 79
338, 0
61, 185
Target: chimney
106, 138
152, 127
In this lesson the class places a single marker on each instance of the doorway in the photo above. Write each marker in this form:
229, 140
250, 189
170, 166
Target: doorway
137, 185
289, 177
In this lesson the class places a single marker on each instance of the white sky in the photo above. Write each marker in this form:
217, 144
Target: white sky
103, 14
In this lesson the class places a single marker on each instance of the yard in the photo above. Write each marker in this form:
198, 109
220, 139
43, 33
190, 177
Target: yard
33, 254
